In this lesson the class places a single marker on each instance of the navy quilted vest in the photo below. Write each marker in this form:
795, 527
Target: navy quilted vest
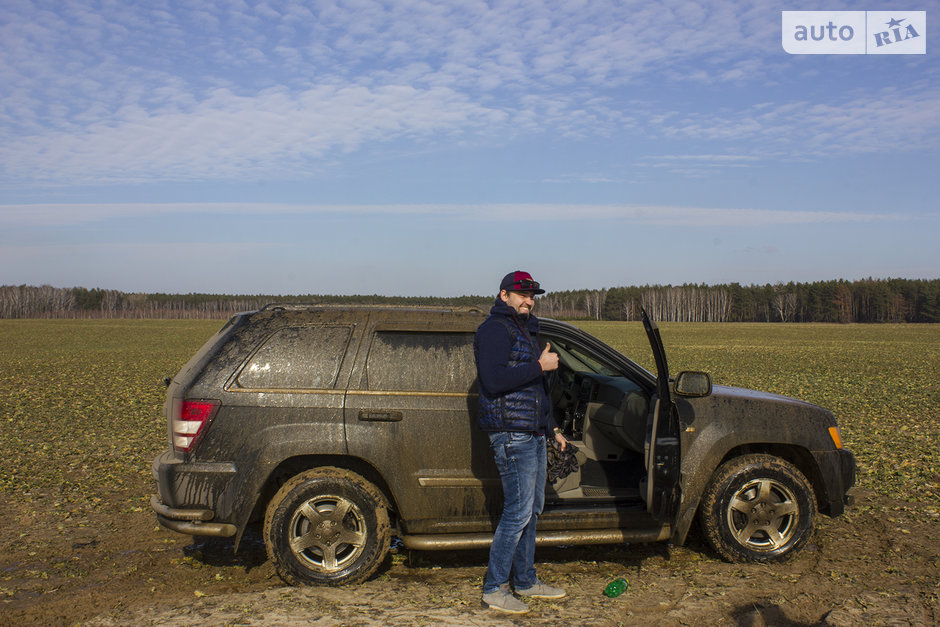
520, 409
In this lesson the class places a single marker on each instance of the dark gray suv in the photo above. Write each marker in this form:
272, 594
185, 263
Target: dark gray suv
342, 426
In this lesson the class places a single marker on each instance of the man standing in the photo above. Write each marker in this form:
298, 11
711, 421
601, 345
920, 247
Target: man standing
516, 411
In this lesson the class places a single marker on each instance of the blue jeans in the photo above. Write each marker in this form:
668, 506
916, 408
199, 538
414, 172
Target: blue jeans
520, 458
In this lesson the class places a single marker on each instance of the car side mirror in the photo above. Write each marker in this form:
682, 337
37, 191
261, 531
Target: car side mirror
690, 383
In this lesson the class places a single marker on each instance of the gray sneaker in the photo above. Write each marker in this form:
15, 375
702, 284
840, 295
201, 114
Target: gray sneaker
502, 600
542, 591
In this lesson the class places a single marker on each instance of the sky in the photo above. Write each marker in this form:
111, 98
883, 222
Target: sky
427, 148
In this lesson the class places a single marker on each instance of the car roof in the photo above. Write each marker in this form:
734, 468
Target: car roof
414, 316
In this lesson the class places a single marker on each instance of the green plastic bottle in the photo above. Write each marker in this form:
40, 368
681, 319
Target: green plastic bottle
616, 587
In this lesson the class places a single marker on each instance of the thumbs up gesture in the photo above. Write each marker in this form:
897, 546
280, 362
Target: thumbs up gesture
548, 360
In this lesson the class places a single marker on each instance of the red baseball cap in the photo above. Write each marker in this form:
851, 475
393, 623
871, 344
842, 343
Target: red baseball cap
520, 281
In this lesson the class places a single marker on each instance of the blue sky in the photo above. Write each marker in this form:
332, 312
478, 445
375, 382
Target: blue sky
426, 148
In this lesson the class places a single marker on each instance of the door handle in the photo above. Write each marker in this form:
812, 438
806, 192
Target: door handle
371, 415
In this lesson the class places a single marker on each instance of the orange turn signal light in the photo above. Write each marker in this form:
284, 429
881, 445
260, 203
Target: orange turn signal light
836, 436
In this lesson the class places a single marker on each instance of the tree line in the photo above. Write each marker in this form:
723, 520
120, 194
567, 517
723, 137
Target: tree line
868, 300
24, 301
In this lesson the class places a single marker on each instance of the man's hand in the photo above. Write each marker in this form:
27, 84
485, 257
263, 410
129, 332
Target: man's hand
548, 360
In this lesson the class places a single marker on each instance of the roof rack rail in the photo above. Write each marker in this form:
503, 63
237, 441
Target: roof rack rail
377, 307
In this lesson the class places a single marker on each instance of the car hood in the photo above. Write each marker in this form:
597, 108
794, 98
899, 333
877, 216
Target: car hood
744, 395
751, 416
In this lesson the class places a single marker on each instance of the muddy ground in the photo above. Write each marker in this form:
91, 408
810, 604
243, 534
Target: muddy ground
61, 564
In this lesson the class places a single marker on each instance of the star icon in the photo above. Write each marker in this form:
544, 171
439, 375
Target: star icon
895, 22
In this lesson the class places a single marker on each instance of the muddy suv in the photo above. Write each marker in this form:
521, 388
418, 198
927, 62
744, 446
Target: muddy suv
341, 427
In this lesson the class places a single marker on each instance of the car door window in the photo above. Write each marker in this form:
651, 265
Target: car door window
421, 362
297, 358
578, 359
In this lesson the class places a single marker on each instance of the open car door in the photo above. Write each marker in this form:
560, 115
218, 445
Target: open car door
662, 446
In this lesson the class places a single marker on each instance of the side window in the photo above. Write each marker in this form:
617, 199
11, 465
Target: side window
297, 358
581, 360
421, 362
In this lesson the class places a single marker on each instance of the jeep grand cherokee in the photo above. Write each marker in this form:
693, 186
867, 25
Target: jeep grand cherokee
339, 427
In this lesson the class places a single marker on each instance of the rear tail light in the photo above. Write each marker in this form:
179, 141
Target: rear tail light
191, 423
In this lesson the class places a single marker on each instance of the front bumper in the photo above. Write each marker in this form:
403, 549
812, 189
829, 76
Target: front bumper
837, 471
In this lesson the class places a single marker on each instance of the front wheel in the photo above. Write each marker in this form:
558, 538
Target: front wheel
326, 526
758, 508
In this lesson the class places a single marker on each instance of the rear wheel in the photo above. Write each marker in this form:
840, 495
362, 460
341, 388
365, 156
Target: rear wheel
758, 508
326, 526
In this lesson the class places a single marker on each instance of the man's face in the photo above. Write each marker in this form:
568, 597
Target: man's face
522, 302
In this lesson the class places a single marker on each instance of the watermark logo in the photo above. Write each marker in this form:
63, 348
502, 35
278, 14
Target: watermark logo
854, 32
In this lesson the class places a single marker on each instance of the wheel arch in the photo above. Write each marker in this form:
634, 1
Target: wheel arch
297, 464
797, 455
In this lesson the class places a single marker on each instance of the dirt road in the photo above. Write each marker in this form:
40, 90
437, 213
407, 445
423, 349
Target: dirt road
64, 564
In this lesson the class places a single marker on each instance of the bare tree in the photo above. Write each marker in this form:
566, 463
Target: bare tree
785, 302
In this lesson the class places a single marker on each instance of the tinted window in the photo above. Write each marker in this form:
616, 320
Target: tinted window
421, 362
297, 358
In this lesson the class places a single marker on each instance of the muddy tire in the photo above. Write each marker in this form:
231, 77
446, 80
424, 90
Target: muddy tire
326, 526
758, 508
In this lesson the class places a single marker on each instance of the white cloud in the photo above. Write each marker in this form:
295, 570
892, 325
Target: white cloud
703, 160
227, 136
678, 217
89, 80
897, 120
97, 92
73, 214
